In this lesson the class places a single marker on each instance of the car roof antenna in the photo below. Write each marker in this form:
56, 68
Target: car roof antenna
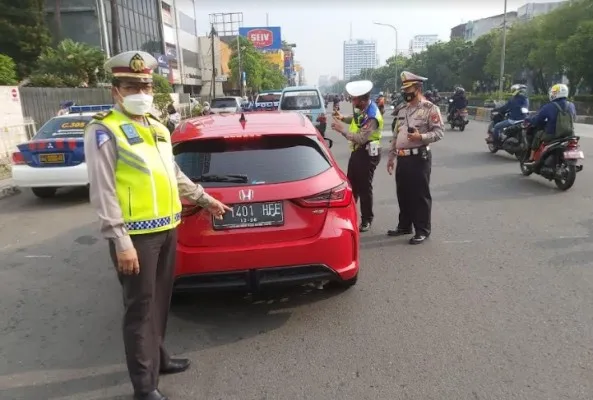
242, 119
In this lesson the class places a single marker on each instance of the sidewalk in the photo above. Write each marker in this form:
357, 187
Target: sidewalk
8, 188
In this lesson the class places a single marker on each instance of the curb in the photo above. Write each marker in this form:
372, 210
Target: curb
8, 189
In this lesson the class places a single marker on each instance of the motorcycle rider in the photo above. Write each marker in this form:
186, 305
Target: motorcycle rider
381, 102
517, 107
553, 120
398, 103
428, 96
459, 102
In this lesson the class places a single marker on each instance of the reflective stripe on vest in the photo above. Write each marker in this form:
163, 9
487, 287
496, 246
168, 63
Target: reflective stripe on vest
357, 121
145, 181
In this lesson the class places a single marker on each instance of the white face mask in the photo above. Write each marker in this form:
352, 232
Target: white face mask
138, 104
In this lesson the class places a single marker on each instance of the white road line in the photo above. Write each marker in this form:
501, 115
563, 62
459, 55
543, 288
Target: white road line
457, 241
37, 256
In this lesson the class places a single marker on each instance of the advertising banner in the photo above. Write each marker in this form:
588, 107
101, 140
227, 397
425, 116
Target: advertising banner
263, 38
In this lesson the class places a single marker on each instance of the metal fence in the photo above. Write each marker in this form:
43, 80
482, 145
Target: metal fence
10, 136
42, 104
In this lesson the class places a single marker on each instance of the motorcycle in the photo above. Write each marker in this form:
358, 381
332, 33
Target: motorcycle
460, 118
556, 160
509, 139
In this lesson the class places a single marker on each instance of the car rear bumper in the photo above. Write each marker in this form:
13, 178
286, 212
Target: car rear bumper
26, 176
332, 255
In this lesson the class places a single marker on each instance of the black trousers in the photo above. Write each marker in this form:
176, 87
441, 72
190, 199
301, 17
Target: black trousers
147, 297
412, 180
361, 171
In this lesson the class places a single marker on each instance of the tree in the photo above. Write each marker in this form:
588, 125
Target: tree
579, 61
260, 74
23, 33
70, 64
162, 92
7, 71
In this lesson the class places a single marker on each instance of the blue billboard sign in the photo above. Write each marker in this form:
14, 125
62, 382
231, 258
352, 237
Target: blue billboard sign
263, 38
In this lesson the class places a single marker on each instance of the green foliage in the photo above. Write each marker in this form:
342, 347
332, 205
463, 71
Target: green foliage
261, 75
7, 71
162, 89
70, 64
539, 51
23, 33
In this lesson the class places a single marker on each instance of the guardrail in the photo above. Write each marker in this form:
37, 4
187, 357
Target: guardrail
483, 114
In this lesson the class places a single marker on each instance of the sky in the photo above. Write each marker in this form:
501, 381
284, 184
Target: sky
319, 28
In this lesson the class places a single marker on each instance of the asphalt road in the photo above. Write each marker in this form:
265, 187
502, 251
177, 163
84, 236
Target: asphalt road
496, 305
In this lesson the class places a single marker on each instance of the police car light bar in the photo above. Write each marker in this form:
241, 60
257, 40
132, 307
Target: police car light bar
97, 108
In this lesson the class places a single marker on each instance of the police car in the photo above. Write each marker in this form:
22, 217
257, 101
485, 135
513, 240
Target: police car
54, 158
268, 101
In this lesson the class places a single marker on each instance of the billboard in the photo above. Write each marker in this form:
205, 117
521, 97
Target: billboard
275, 58
263, 38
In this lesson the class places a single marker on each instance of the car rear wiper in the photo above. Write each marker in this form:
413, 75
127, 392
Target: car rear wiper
233, 178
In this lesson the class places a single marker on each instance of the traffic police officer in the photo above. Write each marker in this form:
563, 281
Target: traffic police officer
364, 135
135, 186
419, 123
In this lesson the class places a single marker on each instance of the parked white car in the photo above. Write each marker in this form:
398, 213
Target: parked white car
54, 158
230, 104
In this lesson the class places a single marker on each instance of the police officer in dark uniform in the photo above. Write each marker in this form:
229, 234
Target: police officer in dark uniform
364, 135
419, 124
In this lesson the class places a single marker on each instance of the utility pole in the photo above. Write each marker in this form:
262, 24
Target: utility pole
503, 51
114, 27
212, 35
240, 66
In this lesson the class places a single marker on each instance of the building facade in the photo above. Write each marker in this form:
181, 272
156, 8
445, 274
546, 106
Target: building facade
532, 10
419, 43
359, 54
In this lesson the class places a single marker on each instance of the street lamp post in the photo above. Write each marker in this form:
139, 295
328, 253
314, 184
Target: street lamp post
396, 46
503, 51
240, 66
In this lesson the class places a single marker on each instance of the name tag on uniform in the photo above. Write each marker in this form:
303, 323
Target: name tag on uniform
160, 138
131, 134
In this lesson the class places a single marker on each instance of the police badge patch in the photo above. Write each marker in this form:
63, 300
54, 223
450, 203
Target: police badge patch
131, 134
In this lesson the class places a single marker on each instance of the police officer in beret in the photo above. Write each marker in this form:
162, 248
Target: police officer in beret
135, 187
419, 123
364, 135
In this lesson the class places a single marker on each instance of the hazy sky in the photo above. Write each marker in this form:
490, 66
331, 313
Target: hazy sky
319, 28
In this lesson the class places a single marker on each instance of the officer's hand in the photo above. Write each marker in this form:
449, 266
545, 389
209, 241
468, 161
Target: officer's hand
390, 167
336, 126
127, 262
415, 137
218, 209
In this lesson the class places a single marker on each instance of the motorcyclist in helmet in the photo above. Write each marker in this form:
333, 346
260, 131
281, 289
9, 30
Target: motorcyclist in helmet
517, 107
554, 119
459, 102
381, 102
428, 95
398, 102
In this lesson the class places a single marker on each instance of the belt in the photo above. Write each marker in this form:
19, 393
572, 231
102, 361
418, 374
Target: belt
412, 152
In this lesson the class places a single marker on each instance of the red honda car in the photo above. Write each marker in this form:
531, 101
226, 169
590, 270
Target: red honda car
293, 217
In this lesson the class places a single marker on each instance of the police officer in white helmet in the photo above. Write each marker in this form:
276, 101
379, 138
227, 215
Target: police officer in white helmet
364, 135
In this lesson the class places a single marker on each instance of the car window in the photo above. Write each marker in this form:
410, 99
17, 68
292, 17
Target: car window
270, 159
63, 127
267, 98
223, 103
298, 100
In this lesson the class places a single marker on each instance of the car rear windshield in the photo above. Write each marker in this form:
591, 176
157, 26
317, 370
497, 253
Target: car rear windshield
305, 100
63, 127
267, 98
223, 103
269, 159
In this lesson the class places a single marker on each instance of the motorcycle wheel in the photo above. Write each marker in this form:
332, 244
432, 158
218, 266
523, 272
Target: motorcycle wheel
452, 126
522, 157
493, 149
568, 177
519, 156
462, 127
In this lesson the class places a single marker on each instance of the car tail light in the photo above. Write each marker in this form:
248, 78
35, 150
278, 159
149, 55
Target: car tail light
242, 137
340, 196
572, 144
322, 119
18, 158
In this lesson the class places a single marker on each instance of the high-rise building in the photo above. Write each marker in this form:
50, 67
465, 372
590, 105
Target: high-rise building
323, 81
358, 55
419, 43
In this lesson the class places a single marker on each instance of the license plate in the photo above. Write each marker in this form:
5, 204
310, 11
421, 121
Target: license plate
574, 155
251, 215
53, 158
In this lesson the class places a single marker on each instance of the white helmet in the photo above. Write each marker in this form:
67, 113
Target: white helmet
380, 93
558, 91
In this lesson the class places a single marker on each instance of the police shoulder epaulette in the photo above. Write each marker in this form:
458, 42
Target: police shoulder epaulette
428, 104
153, 117
101, 115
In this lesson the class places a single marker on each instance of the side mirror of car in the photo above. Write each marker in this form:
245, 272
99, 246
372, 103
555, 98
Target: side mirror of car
329, 142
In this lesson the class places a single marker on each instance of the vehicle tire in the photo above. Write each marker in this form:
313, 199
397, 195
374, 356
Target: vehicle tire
519, 156
492, 148
44, 192
462, 128
524, 170
571, 175
452, 126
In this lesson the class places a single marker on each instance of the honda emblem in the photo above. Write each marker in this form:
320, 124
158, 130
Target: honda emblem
246, 195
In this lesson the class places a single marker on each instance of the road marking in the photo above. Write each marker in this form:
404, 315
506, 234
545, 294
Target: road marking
37, 256
458, 241
573, 237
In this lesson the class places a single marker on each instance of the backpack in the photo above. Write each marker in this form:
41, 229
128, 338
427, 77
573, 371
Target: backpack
564, 122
